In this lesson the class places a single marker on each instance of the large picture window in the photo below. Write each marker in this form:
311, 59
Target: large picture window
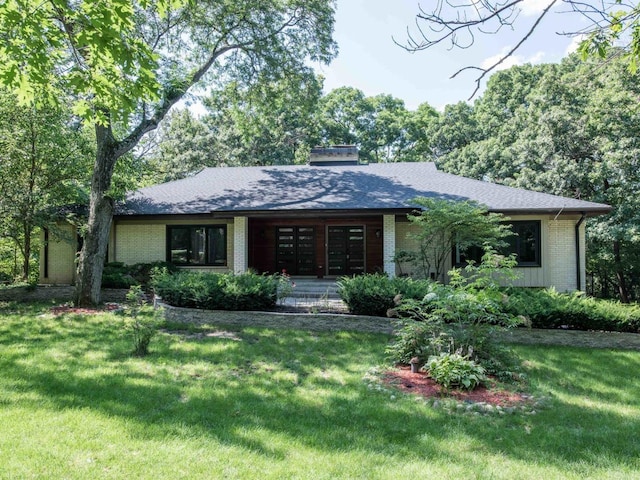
525, 243
197, 245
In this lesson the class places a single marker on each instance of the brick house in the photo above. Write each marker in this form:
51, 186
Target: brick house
330, 218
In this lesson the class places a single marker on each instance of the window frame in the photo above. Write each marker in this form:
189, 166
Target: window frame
222, 262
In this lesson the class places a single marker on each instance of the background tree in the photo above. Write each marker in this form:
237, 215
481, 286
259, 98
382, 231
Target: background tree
570, 129
459, 23
127, 63
380, 126
44, 162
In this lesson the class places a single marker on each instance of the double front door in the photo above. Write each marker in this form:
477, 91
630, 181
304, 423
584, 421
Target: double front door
296, 250
345, 250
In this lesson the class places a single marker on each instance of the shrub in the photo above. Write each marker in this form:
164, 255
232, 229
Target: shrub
216, 291
119, 275
374, 294
546, 308
454, 370
141, 321
463, 317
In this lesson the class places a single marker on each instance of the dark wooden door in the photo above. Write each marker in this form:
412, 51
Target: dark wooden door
346, 250
295, 250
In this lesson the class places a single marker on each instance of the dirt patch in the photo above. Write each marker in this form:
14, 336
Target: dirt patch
69, 309
423, 385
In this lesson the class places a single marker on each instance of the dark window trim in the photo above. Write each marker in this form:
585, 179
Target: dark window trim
207, 262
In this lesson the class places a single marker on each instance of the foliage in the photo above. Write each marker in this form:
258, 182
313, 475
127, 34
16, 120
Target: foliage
546, 308
463, 317
374, 294
454, 370
217, 291
382, 128
119, 275
140, 321
44, 157
123, 65
443, 224
568, 129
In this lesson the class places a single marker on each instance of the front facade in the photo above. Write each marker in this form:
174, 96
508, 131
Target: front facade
330, 219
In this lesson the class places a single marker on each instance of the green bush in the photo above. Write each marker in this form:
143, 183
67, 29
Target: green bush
546, 308
119, 275
454, 370
216, 291
141, 321
374, 294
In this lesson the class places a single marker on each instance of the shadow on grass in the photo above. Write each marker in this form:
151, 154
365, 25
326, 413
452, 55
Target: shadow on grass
275, 389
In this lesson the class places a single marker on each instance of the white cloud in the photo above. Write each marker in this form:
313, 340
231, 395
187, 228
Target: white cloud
533, 7
511, 61
575, 43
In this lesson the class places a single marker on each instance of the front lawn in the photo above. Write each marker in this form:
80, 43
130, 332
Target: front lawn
260, 403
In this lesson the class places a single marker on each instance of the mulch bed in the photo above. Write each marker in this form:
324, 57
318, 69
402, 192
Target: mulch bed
64, 309
423, 385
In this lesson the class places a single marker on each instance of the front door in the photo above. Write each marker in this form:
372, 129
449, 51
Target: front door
295, 250
345, 250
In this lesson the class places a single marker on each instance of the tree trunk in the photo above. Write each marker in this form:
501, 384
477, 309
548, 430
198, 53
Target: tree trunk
623, 290
94, 248
27, 253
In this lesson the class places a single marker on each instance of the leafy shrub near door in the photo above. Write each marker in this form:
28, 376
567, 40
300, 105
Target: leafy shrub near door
216, 291
374, 294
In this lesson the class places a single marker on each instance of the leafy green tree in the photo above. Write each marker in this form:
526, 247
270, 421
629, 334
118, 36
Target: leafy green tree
443, 225
570, 129
126, 63
45, 161
382, 128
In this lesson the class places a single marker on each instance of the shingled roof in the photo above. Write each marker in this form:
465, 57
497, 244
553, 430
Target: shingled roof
380, 187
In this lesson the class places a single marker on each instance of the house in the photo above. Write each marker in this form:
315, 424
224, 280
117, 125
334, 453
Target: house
332, 217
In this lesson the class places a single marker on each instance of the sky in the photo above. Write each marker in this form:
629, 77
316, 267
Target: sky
369, 59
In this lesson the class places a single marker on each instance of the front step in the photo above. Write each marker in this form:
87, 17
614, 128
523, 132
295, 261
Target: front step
314, 288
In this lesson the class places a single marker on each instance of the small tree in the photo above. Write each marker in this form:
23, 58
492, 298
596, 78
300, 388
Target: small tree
445, 224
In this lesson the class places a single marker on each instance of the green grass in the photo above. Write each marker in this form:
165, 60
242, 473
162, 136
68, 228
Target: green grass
287, 404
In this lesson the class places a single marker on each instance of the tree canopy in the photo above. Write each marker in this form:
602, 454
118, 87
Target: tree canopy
124, 64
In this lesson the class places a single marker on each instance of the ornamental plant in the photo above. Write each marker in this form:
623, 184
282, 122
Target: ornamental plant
453, 370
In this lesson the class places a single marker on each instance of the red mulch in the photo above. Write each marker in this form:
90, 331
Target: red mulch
62, 309
421, 384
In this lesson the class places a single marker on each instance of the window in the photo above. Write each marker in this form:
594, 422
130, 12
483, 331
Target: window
197, 245
525, 243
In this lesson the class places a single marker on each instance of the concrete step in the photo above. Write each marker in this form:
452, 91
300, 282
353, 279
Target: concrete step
307, 288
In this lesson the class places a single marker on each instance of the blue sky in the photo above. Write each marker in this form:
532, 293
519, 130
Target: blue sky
369, 60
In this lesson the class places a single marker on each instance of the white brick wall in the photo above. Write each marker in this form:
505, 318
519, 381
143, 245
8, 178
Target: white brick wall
240, 244
562, 255
140, 243
389, 244
62, 255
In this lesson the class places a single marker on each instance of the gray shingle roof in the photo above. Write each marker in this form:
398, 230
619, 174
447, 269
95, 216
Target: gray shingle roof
357, 187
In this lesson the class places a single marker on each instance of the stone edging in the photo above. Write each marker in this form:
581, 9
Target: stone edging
280, 320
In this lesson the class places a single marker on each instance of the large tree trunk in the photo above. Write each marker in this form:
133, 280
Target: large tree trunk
94, 248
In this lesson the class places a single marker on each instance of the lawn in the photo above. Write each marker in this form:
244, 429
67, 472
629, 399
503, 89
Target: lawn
260, 403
